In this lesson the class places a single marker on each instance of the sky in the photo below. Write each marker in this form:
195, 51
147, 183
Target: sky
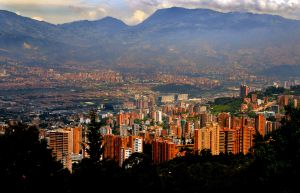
133, 12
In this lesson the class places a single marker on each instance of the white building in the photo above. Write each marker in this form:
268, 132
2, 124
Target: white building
167, 99
138, 145
125, 153
182, 97
159, 116
136, 129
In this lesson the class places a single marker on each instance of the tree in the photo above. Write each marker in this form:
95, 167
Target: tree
138, 168
26, 163
89, 172
95, 139
277, 156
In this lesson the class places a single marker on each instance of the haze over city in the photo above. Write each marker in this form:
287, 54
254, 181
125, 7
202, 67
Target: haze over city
148, 96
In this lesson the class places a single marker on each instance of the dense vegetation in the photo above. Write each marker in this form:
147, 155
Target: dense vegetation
274, 91
226, 104
26, 165
295, 90
233, 105
270, 92
273, 165
178, 88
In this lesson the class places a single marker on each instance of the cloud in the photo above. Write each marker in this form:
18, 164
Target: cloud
26, 46
235, 4
287, 8
55, 11
254, 5
135, 11
38, 18
137, 17
39, 2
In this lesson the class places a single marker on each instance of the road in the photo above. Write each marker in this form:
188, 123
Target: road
269, 104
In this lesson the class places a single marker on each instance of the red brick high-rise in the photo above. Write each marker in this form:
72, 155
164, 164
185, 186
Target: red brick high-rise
245, 136
163, 151
61, 143
228, 141
207, 138
260, 124
197, 141
77, 140
224, 120
120, 142
109, 147
244, 90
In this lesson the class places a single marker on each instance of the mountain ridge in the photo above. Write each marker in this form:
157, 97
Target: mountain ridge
157, 11
168, 39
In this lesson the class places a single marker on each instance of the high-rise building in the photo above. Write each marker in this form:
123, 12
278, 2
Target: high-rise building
120, 142
117, 147
61, 143
207, 138
197, 141
124, 130
159, 116
214, 138
228, 141
136, 129
245, 136
189, 128
109, 147
224, 120
163, 150
203, 119
125, 153
120, 119
244, 90
283, 100
171, 151
130, 141
77, 140
138, 145
153, 116
269, 127
260, 124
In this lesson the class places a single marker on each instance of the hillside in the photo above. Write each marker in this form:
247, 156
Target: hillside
172, 38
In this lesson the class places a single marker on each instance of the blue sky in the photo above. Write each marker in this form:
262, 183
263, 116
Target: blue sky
135, 11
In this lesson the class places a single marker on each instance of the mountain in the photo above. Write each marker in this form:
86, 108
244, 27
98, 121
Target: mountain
27, 40
95, 30
170, 39
205, 19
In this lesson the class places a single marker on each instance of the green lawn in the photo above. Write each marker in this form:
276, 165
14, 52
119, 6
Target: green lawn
226, 104
222, 108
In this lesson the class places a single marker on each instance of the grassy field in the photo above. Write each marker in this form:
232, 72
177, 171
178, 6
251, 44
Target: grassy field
226, 104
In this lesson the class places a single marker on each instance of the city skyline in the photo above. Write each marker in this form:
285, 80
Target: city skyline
135, 12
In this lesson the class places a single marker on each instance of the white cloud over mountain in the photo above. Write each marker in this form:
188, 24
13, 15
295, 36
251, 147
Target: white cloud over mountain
135, 11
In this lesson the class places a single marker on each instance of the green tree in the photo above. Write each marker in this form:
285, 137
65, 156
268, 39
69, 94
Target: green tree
95, 139
277, 156
140, 170
26, 163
